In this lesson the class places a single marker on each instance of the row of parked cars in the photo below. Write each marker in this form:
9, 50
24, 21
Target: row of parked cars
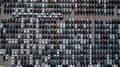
85, 11
94, 8
106, 42
10, 7
74, 47
118, 9
56, 49
39, 15
80, 7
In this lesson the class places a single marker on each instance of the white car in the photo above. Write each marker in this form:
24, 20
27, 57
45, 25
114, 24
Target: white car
118, 11
13, 14
71, 65
36, 65
39, 16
